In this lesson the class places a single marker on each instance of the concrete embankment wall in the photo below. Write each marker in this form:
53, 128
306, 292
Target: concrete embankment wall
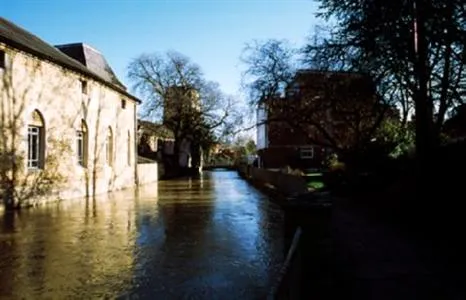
148, 173
284, 183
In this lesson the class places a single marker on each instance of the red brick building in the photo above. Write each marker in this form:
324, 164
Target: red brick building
338, 103
283, 146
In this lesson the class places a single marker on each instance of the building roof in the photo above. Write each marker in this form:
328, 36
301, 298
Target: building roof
155, 129
320, 72
92, 59
311, 79
16, 37
310, 75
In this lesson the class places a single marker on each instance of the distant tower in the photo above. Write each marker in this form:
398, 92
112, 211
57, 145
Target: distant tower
179, 101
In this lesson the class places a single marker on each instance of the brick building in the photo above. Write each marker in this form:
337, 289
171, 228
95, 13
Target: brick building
287, 133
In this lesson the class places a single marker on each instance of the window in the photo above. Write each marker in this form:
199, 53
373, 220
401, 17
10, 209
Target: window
84, 87
109, 147
2, 60
307, 152
123, 103
130, 146
34, 141
81, 144
36, 145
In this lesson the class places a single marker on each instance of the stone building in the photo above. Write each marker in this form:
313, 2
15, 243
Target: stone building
154, 140
67, 124
181, 109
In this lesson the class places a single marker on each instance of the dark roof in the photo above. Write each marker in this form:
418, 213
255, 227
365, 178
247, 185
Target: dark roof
307, 73
92, 59
159, 130
311, 79
16, 37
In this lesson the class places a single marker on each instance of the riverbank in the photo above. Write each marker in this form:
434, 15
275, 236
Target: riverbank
366, 245
278, 186
307, 271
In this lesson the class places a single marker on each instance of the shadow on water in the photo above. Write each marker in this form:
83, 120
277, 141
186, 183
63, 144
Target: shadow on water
212, 236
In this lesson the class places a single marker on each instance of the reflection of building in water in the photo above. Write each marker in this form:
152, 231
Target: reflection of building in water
83, 250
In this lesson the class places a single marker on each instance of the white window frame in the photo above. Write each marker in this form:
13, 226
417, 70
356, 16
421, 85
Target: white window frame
34, 159
306, 152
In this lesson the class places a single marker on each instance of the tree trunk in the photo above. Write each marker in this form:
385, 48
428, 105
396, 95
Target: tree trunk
423, 104
8, 197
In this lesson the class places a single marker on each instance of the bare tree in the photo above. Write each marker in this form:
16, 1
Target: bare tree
271, 65
339, 110
175, 91
415, 50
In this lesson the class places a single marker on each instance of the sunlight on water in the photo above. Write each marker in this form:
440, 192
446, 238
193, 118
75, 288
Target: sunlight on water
214, 236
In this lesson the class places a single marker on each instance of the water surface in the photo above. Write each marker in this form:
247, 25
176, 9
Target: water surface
214, 237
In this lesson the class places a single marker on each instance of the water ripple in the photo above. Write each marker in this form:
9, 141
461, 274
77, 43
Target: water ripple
214, 237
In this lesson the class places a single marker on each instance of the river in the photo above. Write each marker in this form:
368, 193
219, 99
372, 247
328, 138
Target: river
214, 237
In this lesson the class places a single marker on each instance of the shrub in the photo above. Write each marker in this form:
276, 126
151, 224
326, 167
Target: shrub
397, 140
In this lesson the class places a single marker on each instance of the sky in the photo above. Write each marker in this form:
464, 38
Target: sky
210, 32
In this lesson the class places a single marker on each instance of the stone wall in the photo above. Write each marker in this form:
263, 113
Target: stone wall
284, 183
33, 87
147, 173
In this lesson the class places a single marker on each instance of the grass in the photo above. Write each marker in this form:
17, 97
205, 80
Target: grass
314, 181
317, 185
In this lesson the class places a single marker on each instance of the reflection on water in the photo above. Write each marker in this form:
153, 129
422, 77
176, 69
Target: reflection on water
213, 237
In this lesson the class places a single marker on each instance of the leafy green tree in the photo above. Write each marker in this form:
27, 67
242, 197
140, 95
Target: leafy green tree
250, 147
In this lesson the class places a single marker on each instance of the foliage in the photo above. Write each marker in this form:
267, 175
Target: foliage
396, 139
243, 148
251, 147
244, 145
332, 163
415, 51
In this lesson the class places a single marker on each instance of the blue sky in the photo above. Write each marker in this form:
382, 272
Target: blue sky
211, 32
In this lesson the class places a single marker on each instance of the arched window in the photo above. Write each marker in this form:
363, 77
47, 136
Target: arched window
82, 143
36, 141
109, 147
130, 147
